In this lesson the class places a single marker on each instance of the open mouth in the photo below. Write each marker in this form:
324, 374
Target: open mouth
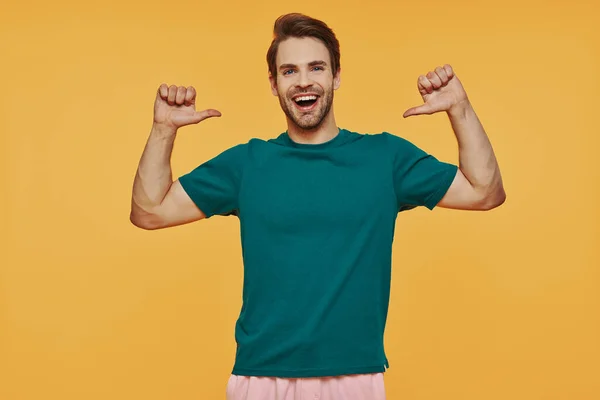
306, 103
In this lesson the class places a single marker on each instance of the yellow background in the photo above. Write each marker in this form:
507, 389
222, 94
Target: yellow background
497, 305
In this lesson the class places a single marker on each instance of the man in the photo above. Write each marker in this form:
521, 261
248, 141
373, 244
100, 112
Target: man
317, 207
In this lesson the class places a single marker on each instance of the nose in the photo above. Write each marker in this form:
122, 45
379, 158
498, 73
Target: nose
303, 79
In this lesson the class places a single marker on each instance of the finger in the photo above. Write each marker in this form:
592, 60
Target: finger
172, 94
202, 115
419, 110
424, 85
207, 114
190, 96
449, 71
434, 79
180, 97
441, 73
163, 91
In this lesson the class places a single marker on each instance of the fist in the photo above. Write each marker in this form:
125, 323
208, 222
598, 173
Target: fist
175, 106
441, 90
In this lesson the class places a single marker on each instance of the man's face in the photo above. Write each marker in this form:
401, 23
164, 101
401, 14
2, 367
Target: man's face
304, 81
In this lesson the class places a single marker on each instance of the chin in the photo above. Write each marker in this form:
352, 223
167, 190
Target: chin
312, 123
308, 126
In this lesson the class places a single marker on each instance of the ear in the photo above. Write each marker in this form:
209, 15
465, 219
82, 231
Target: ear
273, 82
337, 79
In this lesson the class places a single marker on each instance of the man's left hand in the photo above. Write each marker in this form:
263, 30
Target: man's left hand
441, 90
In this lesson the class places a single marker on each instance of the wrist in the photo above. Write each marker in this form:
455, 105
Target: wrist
163, 130
460, 109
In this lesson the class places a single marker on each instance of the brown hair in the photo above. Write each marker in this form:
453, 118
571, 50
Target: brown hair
299, 26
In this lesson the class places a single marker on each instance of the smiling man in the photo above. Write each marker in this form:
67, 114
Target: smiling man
317, 207
305, 87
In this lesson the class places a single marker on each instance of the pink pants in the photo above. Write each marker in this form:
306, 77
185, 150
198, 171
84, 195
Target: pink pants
343, 387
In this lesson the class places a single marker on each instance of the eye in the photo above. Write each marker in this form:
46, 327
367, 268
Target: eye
287, 71
318, 68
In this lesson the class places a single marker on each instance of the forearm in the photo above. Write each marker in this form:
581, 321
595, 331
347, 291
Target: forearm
153, 177
477, 160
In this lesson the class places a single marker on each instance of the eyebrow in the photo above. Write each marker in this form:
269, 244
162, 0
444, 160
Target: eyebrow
310, 64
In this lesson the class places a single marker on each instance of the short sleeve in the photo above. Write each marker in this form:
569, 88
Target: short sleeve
214, 185
420, 179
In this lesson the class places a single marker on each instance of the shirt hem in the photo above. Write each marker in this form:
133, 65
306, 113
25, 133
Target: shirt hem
310, 373
445, 183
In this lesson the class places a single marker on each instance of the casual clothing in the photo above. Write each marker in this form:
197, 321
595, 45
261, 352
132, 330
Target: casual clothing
343, 387
317, 224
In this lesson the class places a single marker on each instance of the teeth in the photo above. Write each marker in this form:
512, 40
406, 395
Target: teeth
305, 98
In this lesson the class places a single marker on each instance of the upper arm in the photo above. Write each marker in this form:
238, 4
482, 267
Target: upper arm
177, 208
209, 189
461, 195
420, 179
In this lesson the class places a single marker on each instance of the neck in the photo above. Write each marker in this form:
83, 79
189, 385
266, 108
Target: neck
321, 134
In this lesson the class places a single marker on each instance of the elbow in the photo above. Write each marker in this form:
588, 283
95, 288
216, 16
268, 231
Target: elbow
147, 223
493, 200
144, 218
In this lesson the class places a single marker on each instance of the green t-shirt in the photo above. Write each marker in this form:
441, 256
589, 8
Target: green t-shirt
317, 224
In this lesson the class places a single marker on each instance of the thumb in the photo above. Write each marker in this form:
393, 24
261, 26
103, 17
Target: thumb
419, 110
202, 115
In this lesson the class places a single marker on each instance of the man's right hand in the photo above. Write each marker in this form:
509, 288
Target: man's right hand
175, 106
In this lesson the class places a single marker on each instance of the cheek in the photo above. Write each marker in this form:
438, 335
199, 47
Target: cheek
326, 85
282, 89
